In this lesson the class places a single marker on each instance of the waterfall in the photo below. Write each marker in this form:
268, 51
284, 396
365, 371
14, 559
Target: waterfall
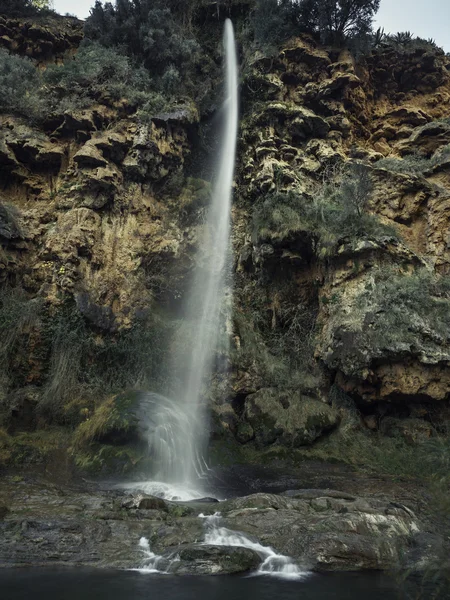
206, 310
178, 429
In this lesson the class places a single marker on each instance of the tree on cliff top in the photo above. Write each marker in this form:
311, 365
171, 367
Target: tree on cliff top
338, 20
335, 21
145, 30
19, 8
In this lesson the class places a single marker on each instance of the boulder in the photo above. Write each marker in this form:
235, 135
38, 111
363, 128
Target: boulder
152, 503
215, 560
287, 417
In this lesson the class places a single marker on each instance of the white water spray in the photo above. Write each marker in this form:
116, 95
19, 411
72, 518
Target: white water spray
178, 429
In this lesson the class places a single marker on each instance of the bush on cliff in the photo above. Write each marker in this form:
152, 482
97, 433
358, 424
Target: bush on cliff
338, 211
96, 73
20, 85
408, 308
273, 22
337, 21
150, 34
23, 8
81, 367
334, 21
414, 164
19, 317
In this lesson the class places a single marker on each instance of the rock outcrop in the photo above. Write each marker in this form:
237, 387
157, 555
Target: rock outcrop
43, 39
321, 530
101, 211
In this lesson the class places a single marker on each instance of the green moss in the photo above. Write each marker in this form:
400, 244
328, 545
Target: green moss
114, 419
105, 458
107, 442
31, 448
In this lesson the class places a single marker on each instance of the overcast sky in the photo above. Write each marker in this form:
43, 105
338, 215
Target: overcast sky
425, 18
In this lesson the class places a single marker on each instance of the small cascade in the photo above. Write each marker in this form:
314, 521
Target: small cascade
153, 563
273, 564
151, 560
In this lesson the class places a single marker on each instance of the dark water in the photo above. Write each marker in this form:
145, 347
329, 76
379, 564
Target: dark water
81, 584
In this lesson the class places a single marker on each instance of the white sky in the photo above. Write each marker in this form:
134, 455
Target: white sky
425, 18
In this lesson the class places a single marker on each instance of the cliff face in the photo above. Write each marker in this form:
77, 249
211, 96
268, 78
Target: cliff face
101, 212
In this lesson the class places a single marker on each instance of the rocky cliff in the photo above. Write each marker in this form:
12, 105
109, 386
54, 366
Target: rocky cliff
340, 232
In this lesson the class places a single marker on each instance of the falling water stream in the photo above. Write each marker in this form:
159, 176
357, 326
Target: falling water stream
178, 429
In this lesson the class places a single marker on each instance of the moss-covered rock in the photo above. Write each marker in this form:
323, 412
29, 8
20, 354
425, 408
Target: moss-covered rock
114, 421
287, 417
110, 441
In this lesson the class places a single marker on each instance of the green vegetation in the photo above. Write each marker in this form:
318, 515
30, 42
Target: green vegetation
335, 22
19, 318
107, 441
276, 337
96, 73
114, 420
405, 41
414, 164
151, 35
20, 83
272, 22
75, 384
143, 53
81, 367
406, 305
339, 211
108, 459
31, 448
23, 8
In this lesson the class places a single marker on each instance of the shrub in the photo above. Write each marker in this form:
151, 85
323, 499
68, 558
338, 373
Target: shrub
407, 306
133, 358
414, 164
411, 165
94, 73
279, 215
20, 8
272, 22
69, 343
335, 21
405, 41
20, 85
338, 211
115, 420
18, 317
82, 367
148, 32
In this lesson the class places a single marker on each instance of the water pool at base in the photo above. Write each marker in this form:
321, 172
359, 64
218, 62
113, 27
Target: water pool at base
83, 584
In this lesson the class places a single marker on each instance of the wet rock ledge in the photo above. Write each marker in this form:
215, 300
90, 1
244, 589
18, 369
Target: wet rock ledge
43, 524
